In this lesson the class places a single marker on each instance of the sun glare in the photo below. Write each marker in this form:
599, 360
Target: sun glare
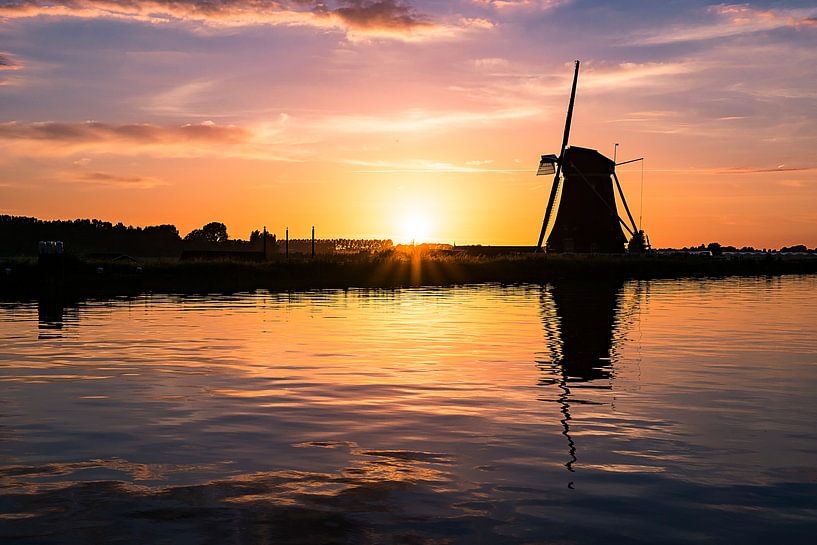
415, 227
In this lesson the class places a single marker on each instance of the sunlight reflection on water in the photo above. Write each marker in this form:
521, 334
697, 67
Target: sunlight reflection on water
669, 411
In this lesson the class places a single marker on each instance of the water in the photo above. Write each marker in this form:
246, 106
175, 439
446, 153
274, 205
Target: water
666, 411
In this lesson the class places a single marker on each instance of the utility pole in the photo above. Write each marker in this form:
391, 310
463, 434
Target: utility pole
313, 241
287, 243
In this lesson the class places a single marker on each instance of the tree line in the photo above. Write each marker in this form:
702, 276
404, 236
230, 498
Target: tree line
19, 235
715, 248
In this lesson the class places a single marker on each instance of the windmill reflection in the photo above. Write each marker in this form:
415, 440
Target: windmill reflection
580, 321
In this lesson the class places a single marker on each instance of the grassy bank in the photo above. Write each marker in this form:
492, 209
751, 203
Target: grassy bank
25, 278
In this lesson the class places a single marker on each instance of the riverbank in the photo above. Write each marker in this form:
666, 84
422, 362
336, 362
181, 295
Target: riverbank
25, 278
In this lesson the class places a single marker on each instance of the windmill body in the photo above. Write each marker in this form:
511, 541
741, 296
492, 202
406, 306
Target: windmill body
586, 219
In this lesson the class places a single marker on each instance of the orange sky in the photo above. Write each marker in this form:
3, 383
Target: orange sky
395, 119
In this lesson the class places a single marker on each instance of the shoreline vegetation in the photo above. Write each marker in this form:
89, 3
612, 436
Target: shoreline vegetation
71, 277
68, 259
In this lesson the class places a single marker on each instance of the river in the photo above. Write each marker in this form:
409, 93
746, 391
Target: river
671, 411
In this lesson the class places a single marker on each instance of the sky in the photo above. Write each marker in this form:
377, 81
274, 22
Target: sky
408, 119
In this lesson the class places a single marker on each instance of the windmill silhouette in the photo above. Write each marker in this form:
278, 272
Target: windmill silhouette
586, 218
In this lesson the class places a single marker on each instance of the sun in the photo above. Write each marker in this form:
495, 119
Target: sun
415, 226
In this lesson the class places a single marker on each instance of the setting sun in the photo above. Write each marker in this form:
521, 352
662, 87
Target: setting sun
415, 227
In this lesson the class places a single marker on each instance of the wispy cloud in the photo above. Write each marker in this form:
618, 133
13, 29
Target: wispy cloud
760, 170
719, 171
520, 4
358, 18
519, 85
427, 166
179, 99
422, 121
726, 20
631, 74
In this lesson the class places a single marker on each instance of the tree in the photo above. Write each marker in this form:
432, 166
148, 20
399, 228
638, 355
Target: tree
715, 248
212, 232
796, 248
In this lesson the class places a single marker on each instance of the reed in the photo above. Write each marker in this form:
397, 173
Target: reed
24, 277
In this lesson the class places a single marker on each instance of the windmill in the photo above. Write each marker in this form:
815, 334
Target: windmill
586, 219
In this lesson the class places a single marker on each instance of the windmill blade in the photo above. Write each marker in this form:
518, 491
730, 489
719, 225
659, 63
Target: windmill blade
565, 138
555, 188
623, 200
569, 120
549, 210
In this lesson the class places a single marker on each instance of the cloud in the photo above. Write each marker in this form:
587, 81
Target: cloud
7, 62
727, 20
490, 64
8, 65
189, 140
113, 180
358, 18
383, 14
93, 131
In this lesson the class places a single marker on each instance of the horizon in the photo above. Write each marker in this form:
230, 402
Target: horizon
408, 120
294, 237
